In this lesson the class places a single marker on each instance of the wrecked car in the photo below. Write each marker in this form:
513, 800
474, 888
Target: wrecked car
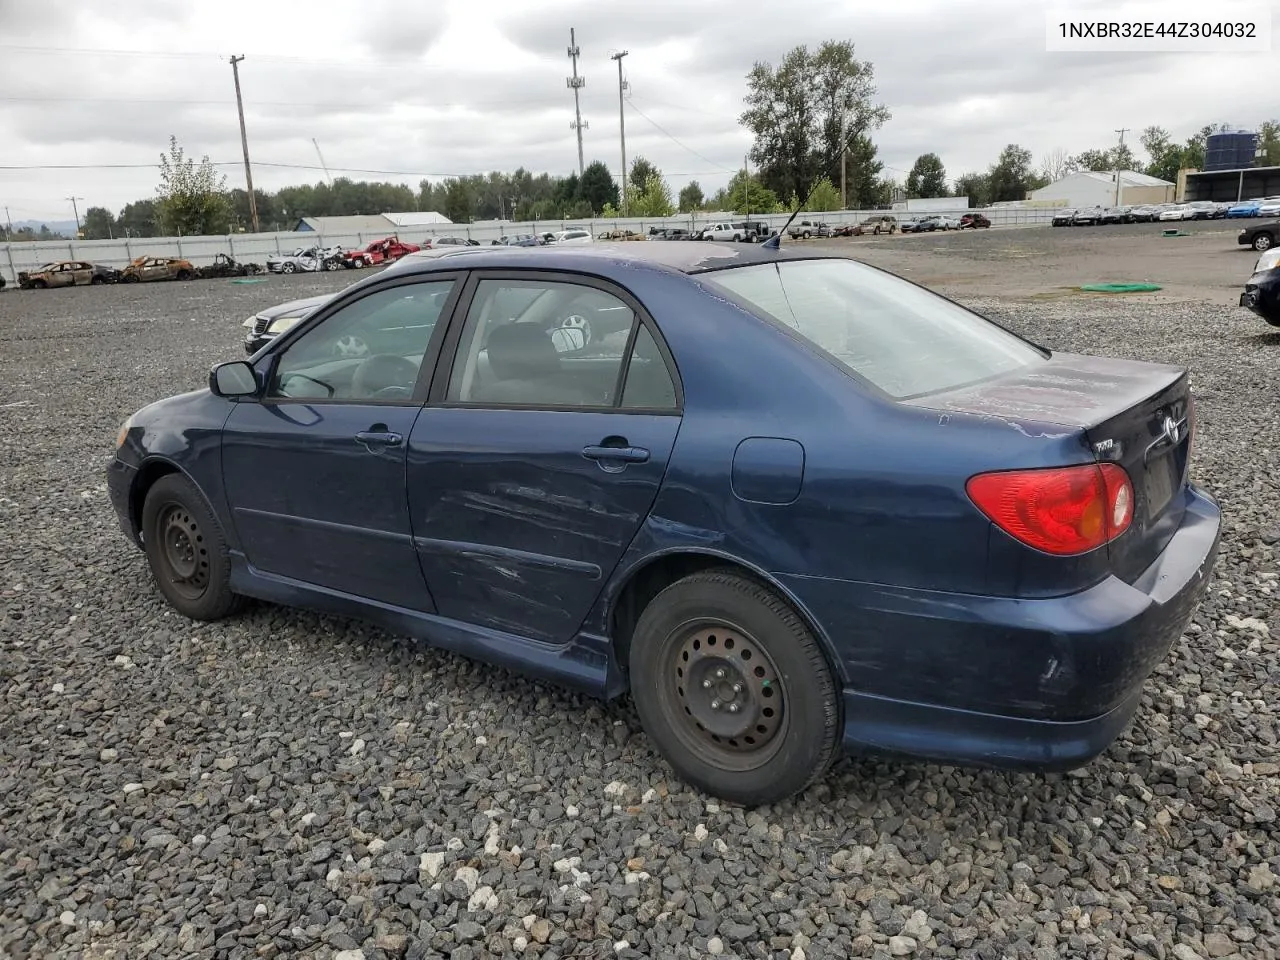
148, 269
306, 260
225, 265
380, 251
67, 273
1261, 292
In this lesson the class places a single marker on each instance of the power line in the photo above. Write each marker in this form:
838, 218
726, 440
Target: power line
179, 101
285, 166
673, 138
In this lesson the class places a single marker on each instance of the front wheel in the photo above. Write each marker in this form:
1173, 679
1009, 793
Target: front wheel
187, 551
186, 275
734, 689
289, 267
1263, 241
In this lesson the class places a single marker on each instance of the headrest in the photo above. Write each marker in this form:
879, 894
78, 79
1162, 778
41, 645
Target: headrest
522, 351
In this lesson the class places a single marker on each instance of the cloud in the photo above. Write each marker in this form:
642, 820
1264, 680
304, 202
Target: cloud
461, 86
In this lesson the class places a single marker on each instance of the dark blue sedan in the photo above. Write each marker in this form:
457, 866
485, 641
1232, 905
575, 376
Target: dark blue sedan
796, 505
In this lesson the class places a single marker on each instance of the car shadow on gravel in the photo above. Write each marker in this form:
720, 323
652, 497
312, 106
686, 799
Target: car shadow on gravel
1263, 340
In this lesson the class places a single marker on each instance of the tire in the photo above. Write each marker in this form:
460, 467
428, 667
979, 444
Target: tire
289, 267
38, 285
806, 235
187, 550
1263, 241
186, 275
96, 281
729, 641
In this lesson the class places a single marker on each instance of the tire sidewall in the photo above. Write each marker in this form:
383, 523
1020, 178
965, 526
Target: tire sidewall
810, 699
176, 489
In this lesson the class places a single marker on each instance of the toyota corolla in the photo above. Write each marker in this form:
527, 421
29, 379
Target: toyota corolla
796, 506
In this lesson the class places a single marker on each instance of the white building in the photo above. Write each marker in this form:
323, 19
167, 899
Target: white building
1092, 188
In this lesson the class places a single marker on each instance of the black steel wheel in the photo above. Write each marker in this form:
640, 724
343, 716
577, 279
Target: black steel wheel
186, 550
734, 689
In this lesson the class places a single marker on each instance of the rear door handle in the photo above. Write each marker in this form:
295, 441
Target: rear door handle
379, 438
623, 454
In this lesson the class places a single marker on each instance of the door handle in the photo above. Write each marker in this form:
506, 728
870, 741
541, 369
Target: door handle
380, 438
623, 454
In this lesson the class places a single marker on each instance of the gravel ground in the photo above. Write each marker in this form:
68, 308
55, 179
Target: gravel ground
290, 785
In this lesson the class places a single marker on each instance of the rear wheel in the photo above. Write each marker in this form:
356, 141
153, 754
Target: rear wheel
185, 275
95, 280
734, 689
187, 551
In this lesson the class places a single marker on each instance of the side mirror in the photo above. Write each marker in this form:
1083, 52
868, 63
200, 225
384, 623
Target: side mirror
233, 379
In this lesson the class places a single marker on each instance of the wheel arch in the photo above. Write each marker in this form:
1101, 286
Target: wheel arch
645, 579
150, 471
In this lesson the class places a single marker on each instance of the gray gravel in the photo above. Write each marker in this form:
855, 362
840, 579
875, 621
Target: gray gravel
289, 785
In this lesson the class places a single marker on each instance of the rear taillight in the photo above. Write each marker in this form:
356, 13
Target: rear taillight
1060, 510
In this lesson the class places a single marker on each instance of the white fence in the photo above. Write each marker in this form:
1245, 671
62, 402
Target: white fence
15, 257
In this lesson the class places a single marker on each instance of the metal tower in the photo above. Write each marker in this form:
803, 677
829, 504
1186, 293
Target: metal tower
576, 83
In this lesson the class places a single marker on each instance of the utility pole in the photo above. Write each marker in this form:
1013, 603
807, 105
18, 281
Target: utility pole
244, 143
746, 184
844, 156
8, 222
74, 209
622, 127
576, 83
1122, 131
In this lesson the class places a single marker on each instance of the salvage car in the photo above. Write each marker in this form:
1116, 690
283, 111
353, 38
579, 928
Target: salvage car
889, 525
1262, 236
225, 265
974, 221
380, 251
67, 273
265, 325
1064, 218
306, 260
1261, 292
149, 269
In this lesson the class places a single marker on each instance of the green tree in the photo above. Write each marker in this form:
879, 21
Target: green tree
928, 177
139, 219
192, 197
459, 200
823, 198
1166, 157
654, 200
99, 224
597, 186
975, 186
800, 112
1010, 177
1096, 160
691, 197
638, 177
1269, 143
862, 178
746, 195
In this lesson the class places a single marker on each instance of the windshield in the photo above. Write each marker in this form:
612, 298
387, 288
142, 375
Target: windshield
901, 338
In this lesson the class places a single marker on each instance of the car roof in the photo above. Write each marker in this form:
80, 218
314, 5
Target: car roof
683, 256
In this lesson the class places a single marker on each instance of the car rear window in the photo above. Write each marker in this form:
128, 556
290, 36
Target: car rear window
901, 338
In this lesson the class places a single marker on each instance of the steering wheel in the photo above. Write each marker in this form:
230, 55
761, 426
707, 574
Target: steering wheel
578, 322
384, 376
351, 346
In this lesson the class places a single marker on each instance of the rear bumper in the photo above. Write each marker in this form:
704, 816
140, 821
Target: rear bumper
1000, 682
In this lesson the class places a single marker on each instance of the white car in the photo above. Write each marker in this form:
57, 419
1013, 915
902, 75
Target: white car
572, 236
307, 260
721, 231
1270, 207
947, 223
1180, 212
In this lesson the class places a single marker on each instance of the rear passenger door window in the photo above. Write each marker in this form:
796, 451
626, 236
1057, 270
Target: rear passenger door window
554, 344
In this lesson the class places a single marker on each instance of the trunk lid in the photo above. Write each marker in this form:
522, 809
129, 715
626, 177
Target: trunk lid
1133, 413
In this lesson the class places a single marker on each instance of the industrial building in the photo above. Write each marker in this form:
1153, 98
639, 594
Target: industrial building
371, 223
1230, 171
1098, 188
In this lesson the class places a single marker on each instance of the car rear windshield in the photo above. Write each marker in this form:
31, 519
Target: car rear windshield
901, 338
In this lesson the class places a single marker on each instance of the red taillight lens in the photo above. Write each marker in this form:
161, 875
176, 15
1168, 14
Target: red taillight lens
1060, 510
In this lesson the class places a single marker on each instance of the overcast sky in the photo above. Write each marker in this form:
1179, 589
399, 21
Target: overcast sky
452, 87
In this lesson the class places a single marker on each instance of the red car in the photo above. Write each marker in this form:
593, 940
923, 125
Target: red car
380, 251
973, 221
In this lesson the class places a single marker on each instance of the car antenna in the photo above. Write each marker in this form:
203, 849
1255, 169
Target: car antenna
775, 242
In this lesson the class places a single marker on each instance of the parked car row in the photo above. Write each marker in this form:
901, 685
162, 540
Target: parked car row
1141, 213
81, 273
1263, 207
